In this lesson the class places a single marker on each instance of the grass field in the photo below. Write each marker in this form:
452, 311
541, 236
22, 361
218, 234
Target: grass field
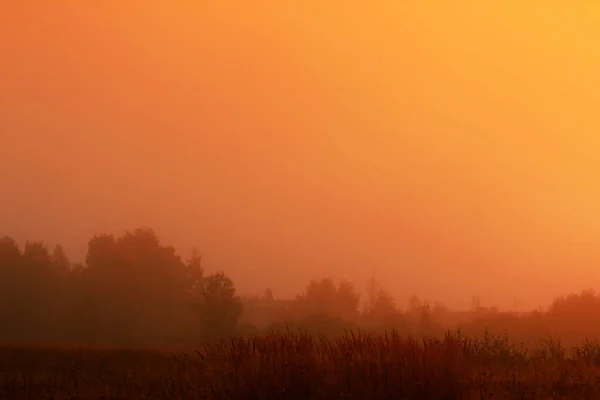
294, 366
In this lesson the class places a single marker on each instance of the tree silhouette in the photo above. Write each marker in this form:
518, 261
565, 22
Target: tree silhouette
59, 259
323, 297
10, 283
220, 308
134, 290
382, 310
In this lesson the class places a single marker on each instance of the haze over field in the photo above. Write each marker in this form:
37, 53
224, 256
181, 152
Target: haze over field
451, 148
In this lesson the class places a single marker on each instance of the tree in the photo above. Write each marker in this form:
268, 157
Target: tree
10, 287
585, 304
348, 301
40, 298
382, 310
268, 295
137, 288
384, 304
219, 308
415, 305
10, 263
323, 297
36, 255
59, 259
373, 288
131, 290
475, 303
10, 254
194, 274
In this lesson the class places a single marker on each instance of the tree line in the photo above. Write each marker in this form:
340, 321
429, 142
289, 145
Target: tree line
133, 290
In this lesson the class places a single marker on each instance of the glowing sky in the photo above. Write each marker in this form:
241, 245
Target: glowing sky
451, 148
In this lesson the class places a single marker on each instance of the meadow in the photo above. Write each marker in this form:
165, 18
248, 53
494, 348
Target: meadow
358, 365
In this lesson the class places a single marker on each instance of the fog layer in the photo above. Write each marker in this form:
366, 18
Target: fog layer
450, 149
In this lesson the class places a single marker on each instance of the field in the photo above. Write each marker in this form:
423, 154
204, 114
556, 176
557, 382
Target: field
295, 366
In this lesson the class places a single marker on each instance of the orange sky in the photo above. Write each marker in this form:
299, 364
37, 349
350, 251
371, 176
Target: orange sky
450, 148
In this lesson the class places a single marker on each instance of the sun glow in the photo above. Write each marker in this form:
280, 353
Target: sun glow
388, 128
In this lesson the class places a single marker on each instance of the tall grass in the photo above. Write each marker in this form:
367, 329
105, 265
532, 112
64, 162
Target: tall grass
358, 365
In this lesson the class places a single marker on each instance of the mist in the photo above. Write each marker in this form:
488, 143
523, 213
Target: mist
449, 157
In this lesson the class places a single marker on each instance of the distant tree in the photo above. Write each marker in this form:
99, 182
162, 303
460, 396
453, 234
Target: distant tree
269, 294
36, 255
385, 304
382, 312
379, 301
347, 301
11, 283
373, 289
426, 325
321, 291
576, 305
195, 260
40, 299
323, 297
137, 287
10, 254
10, 262
59, 259
101, 251
219, 308
194, 274
415, 305
132, 290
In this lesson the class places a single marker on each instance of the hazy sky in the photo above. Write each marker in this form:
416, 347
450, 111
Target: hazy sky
452, 147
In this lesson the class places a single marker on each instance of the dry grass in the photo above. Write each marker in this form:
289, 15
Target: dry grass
290, 366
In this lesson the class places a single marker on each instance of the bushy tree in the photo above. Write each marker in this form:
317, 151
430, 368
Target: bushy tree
11, 280
323, 297
584, 304
136, 289
382, 312
219, 307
